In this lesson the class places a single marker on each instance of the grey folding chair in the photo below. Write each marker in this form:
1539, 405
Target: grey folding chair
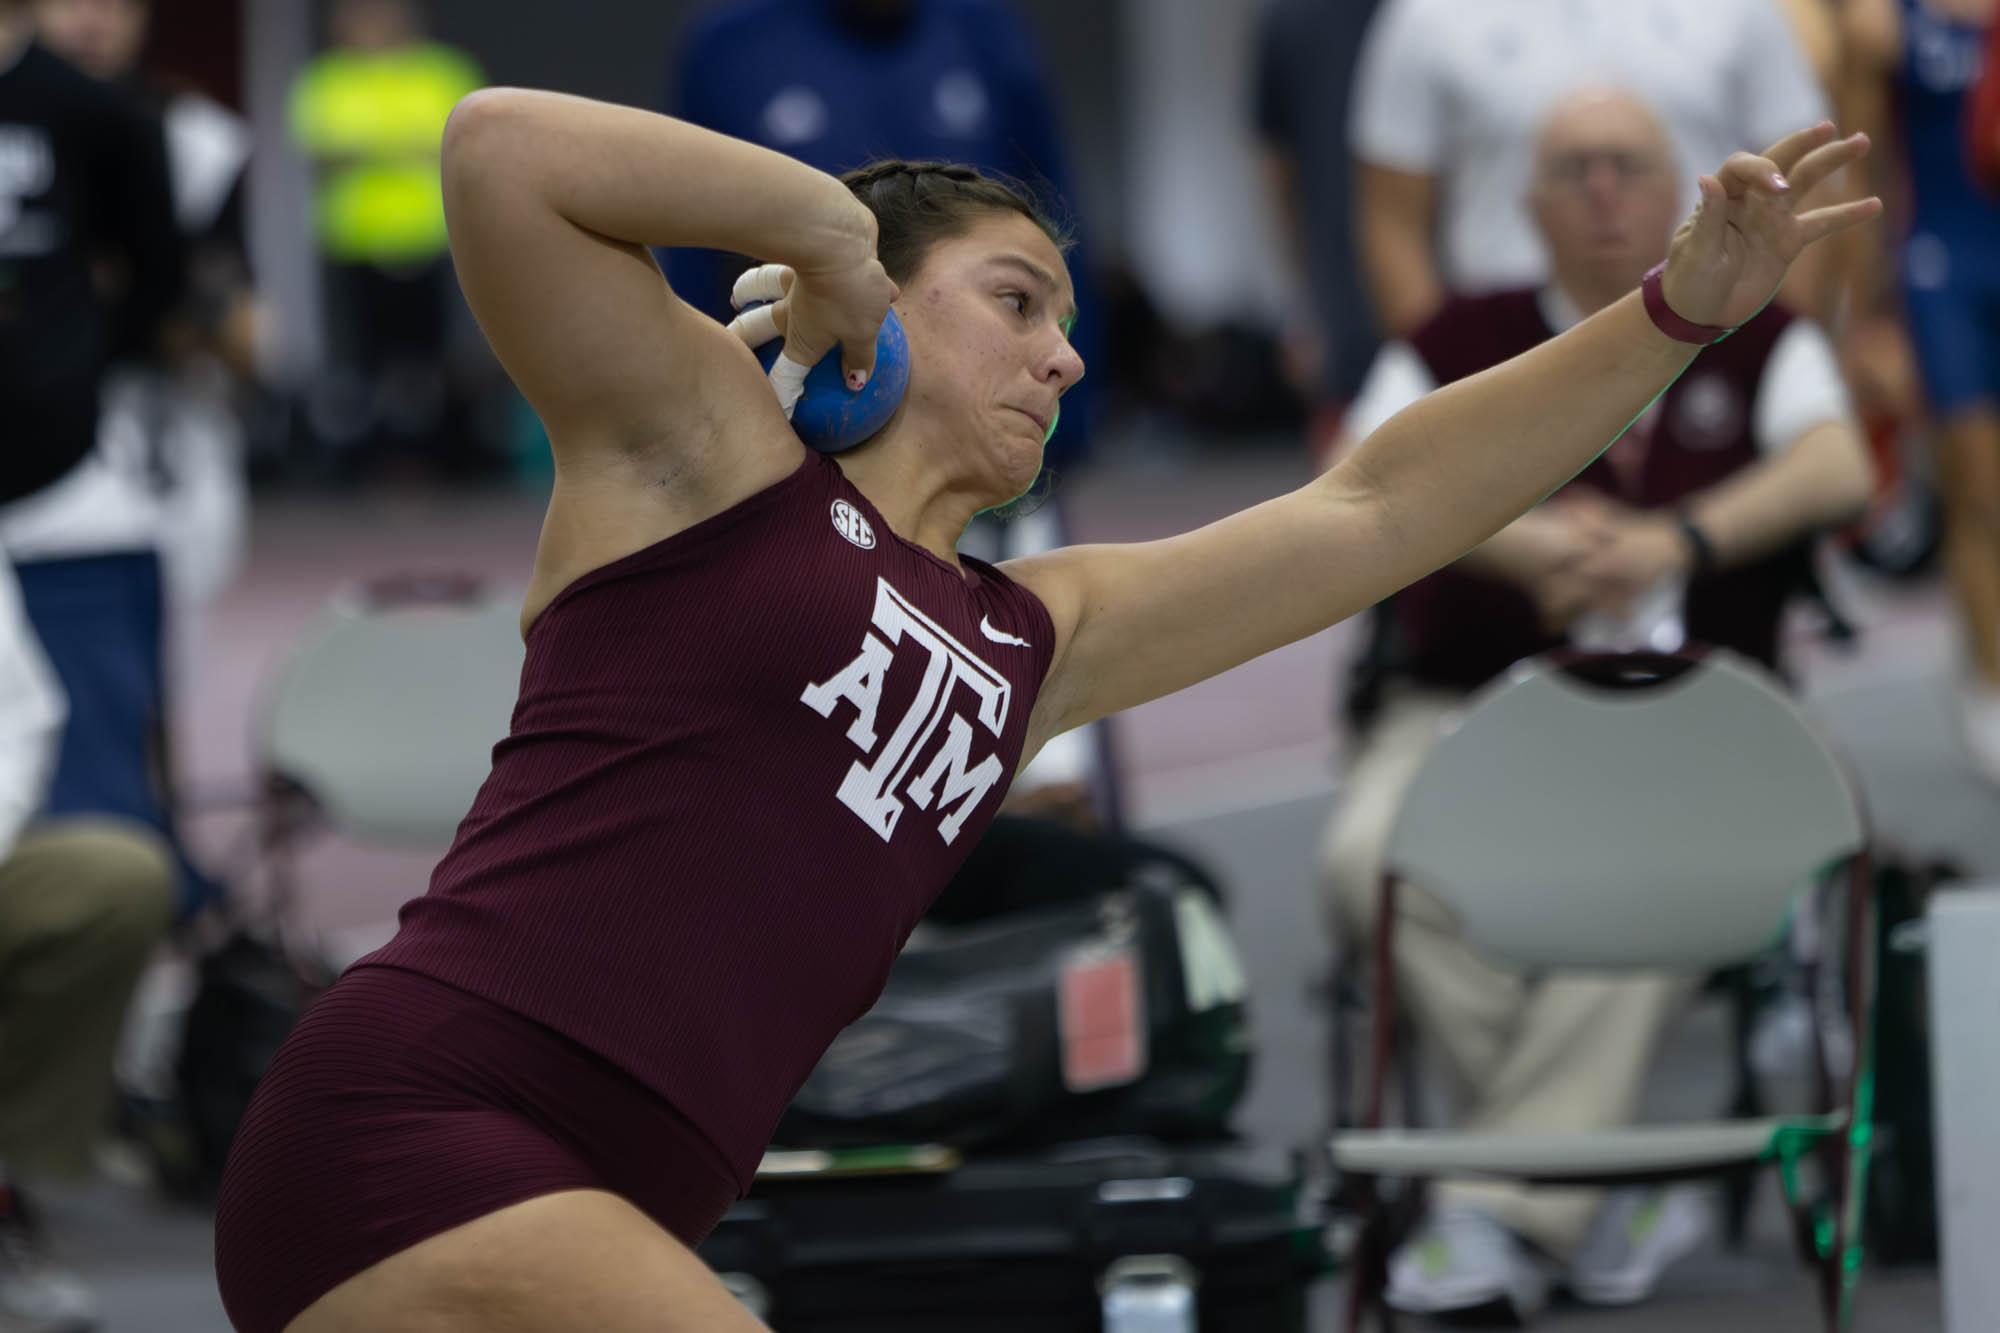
1614, 812
381, 722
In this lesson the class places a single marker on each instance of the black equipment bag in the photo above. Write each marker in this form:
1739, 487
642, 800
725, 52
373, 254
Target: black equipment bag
1120, 1013
1028, 861
1123, 1236
250, 994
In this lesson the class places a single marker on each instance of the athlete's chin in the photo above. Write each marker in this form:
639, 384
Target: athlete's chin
1023, 464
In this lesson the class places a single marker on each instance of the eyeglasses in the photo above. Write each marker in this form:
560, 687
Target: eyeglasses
1575, 170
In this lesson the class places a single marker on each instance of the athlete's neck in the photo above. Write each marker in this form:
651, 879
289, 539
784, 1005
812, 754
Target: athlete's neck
919, 505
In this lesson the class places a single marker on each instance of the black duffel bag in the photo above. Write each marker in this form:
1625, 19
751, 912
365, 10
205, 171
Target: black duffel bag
1119, 1012
1107, 1234
251, 992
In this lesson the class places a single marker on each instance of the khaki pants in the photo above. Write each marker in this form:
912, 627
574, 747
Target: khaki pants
1544, 1051
83, 904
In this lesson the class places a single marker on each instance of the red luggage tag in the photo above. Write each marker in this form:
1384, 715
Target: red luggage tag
1101, 1019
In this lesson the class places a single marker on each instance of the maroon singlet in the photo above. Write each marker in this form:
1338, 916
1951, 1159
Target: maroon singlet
743, 762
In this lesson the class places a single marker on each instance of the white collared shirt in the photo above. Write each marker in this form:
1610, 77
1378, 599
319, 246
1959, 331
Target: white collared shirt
1459, 89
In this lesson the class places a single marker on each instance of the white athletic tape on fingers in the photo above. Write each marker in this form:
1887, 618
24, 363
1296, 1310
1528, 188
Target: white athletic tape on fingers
756, 326
788, 377
766, 282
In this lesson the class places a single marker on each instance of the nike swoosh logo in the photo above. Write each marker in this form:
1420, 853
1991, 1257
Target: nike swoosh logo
1000, 635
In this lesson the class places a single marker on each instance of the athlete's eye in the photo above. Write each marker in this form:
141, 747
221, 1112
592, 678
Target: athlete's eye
1019, 300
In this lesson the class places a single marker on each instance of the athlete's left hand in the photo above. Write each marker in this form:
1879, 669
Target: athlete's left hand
1729, 256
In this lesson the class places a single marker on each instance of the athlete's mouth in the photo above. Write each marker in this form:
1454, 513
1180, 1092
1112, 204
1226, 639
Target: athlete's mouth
1041, 422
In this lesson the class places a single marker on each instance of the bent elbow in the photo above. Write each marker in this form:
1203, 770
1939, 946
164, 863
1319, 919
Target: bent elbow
470, 129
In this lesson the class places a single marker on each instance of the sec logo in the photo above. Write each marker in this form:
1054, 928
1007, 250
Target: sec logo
850, 523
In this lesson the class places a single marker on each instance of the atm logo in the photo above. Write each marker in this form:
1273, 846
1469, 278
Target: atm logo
960, 699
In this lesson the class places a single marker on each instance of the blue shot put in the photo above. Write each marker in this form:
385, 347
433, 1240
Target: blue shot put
833, 418
825, 413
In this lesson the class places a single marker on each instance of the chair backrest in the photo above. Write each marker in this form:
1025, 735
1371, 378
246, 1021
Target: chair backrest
388, 710
1626, 812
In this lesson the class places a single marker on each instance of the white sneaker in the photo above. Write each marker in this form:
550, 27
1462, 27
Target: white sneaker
1637, 1235
1464, 1260
1979, 718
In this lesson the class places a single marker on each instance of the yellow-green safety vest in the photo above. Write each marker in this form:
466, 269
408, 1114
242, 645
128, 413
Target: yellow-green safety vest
374, 121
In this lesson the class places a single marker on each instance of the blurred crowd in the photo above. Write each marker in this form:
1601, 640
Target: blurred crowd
1450, 191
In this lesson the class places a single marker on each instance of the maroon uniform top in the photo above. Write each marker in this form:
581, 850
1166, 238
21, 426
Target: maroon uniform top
1459, 629
743, 762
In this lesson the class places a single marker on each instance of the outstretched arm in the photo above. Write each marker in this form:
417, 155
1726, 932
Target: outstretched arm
1135, 622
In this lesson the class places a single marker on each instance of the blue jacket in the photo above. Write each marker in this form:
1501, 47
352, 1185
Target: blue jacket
955, 81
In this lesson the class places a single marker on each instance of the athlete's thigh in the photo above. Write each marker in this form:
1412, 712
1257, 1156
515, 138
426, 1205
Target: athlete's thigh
583, 1259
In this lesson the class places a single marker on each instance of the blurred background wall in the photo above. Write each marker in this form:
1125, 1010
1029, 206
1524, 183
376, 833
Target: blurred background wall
1153, 93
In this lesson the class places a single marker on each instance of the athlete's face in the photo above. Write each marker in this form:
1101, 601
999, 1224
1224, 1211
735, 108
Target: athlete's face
989, 315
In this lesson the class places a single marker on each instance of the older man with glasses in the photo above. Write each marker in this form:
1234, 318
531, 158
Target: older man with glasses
1694, 525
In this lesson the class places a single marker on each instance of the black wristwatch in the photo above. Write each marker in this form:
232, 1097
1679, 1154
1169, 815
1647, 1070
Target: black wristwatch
1701, 551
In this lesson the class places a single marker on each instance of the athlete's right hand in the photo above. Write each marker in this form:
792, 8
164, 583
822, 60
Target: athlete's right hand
814, 312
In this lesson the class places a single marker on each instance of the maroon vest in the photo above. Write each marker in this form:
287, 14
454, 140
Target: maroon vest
743, 762
1459, 630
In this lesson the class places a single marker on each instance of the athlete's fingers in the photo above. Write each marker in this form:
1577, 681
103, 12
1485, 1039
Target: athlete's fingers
788, 378
857, 357
857, 363
759, 324
1823, 222
1744, 172
1785, 154
765, 282
1826, 159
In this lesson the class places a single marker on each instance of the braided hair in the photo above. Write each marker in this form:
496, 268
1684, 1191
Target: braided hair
918, 204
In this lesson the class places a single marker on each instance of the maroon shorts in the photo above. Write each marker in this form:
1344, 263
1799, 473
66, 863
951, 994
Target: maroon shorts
401, 1107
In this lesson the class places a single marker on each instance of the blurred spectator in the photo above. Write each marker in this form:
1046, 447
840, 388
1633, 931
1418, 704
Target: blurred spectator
1923, 57
1745, 456
840, 83
93, 248
1306, 54
168, 466
89, 261
161, 491
83, 903
1983, 124
370, 114
1447, 101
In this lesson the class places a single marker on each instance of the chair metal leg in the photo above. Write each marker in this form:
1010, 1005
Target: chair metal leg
1368, 1277
1739, 1186
1343, 1004
1383, 1043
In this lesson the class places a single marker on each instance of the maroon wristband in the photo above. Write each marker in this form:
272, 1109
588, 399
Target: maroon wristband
1667, 322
